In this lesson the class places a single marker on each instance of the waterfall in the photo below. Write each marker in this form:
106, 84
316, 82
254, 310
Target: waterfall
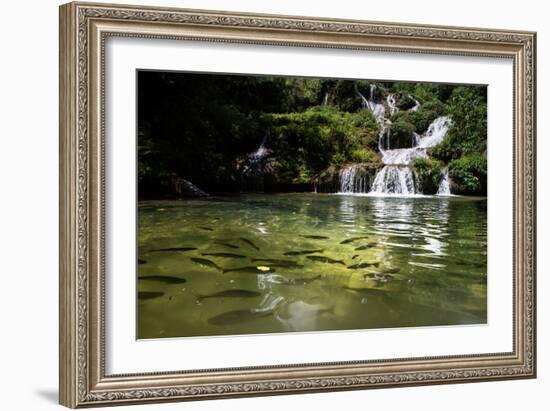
416, 104
375, 107
254, 166
353, 179
436, 132
325, 98
396, 177
444, 189
392, 104
395, 180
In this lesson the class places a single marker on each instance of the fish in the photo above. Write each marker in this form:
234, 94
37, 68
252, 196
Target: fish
149, 295
208, 263
164, 279
352, 239
355, 256
233, 293
316, 237
250, 243
393, 270
249, 270
363, 264
226, 244
140, 261
277, 262
176, 249
323, 259
366, 246
225, 255
238, 316
206, 228
302, 252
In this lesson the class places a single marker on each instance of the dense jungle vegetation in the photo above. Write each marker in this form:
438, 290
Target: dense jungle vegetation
201, 127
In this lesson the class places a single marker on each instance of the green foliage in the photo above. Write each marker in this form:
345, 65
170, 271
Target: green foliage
469, 174
468, 132
364, 155
420, 119
319, 137
401, 133
428, 173
202, 127
365, 128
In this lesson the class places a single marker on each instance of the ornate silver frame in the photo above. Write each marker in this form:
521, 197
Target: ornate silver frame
83, 30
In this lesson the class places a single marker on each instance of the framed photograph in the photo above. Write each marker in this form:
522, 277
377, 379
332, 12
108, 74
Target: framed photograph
258, 204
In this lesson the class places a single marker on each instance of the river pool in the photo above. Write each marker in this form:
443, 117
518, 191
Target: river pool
266, 263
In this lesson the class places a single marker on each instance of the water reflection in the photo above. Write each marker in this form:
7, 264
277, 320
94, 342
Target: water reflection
373, 262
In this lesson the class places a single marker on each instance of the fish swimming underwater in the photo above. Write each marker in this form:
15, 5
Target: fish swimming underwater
352, 239
302, 252
315, 237
226, 244
176, 249
206, 228
250, 243
233, 293
163, 279
366, 246
363, 264
142, 261
323, 259
277, 262
208, 263
224, 255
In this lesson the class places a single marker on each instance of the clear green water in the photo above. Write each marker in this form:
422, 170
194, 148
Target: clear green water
422, 263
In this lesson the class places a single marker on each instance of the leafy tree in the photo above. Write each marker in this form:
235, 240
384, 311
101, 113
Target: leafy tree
428, 173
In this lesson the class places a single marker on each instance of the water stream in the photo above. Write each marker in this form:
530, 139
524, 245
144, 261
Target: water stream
396, 177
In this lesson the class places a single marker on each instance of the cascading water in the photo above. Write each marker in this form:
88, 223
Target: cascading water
354, 179
395, 180
416, 104
396, 177
444, 189
254, 167
392, 104
374, 106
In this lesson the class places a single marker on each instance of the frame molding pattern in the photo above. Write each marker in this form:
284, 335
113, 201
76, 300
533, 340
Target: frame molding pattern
79, 385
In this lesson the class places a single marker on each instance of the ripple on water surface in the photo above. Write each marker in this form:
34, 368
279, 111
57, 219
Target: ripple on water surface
304, 262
